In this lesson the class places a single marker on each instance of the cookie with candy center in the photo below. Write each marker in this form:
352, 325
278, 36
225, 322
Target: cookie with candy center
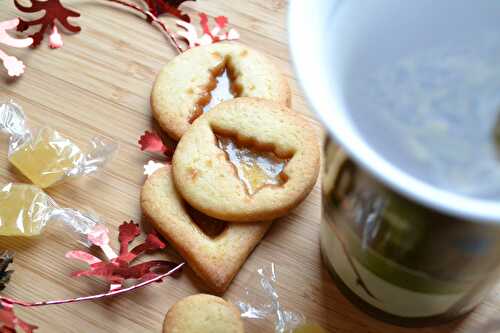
247, 160
184, 87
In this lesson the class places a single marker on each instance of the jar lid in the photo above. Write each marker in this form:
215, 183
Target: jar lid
412, 91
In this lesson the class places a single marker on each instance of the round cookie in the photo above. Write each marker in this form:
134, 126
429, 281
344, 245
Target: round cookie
208, 180
183, 86
203, 313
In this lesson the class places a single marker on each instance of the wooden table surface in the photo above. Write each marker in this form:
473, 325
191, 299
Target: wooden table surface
99, 84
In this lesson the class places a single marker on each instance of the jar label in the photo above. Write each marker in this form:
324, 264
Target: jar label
378, 292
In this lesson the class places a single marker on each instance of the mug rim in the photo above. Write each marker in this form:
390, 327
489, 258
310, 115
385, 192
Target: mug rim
305, 45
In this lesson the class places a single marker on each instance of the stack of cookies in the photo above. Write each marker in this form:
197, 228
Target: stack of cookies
238, 165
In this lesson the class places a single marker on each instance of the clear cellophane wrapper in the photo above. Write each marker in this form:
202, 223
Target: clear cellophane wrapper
261, 303
45, 156
25, 210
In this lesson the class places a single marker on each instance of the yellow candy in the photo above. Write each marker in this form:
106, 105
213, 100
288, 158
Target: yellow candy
46, 159
309, 328
255, 169
23, 210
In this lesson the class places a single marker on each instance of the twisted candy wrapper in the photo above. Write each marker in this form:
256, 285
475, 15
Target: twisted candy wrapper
271, 309
25, 210
45, 156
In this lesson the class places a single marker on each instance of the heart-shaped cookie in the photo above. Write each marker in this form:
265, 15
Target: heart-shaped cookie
215, 256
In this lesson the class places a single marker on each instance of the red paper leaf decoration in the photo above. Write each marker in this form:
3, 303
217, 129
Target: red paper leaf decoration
204, 24
10, 321
218, 33
127, 233
53, 11
221, 21
159, 7
117, 269
152, 142
152, 243
14, 66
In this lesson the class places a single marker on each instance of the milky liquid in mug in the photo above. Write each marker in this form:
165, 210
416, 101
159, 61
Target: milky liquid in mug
423, 87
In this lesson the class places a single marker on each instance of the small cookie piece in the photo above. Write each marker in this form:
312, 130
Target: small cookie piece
183, 86
217, 172
203, 314
214, 255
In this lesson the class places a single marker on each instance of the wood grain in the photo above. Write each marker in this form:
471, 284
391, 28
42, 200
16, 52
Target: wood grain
99, 84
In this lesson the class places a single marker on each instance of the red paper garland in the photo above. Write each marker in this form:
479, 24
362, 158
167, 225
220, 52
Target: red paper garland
116, 270
55, 13
9, 319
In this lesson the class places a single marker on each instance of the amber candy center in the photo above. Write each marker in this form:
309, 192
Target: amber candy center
254, 168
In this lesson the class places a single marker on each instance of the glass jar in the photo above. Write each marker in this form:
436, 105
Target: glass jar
402, 87
397, 259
